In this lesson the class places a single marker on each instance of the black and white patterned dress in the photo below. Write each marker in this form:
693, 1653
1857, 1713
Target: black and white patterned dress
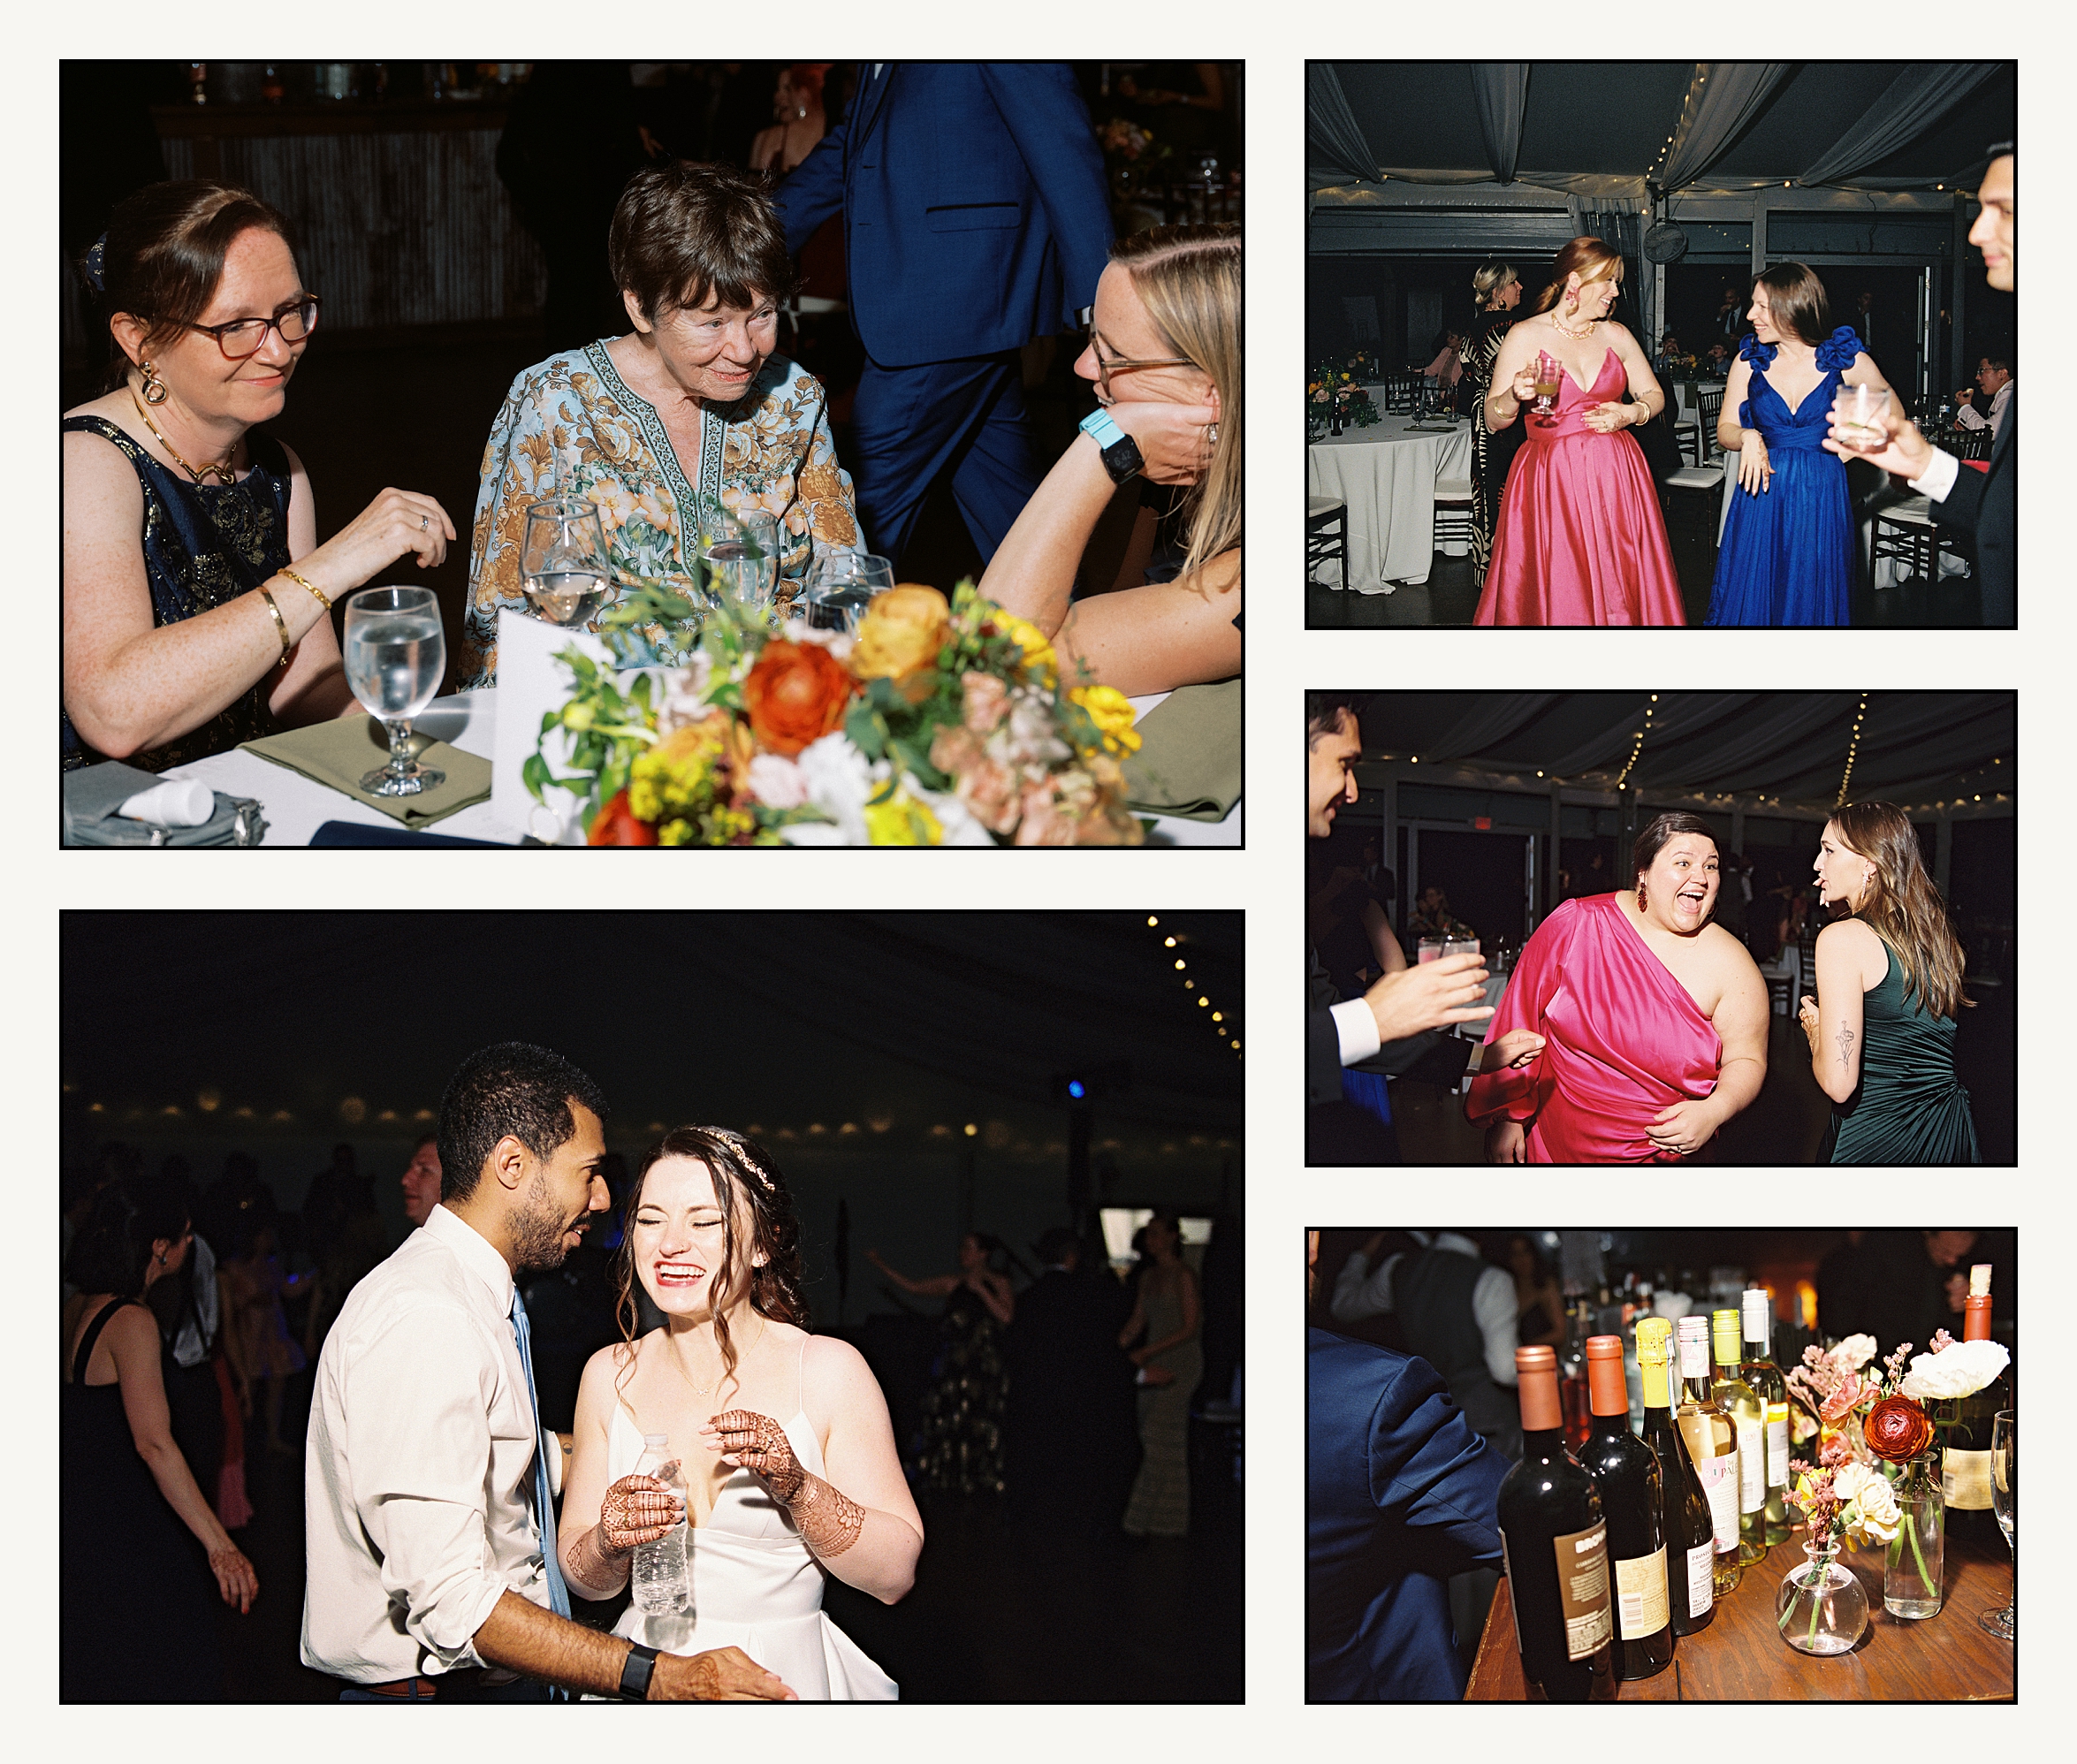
1491, 454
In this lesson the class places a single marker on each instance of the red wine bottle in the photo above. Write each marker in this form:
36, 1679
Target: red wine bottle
1625, 1473
1555, 1543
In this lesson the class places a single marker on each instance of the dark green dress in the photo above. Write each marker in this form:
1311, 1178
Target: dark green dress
1909, 1108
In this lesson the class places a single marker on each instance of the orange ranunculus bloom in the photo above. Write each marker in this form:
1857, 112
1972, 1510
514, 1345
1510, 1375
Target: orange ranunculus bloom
1896, 1429
615, 825
796, 694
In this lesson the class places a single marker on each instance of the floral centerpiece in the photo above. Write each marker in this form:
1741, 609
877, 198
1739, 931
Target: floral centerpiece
1336, 385
940, 722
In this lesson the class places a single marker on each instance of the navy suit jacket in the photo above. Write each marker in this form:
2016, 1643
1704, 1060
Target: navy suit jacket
1986, 503
976, 214
1400, 1495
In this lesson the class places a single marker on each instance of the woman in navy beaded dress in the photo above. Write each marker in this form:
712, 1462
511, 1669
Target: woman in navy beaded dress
1788, 555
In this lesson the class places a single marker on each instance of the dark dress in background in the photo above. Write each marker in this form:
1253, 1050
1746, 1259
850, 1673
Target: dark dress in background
136, 1621
963, 1411
204, 545
1909, 1107
1491, 454
1073, 1432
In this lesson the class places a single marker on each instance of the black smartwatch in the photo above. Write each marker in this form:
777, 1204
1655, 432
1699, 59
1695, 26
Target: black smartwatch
1121, 453
634, 1673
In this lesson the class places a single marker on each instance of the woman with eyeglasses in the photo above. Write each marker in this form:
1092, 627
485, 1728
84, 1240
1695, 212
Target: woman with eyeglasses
196, 600
1164, 353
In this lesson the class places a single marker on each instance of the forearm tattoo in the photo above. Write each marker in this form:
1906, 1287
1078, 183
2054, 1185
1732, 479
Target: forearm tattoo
1845, 1043
828, 1520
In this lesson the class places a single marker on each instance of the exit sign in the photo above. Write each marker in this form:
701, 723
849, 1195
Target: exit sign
1483, 823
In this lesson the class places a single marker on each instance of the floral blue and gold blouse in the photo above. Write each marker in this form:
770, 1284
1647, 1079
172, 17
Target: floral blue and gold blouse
570, 426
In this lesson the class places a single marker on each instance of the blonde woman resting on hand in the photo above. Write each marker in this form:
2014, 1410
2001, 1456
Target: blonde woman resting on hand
785, 1454
1164, 353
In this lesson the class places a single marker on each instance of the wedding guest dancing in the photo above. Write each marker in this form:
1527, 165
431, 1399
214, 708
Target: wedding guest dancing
1789, 554
1881, 1027
428, 1483
140, 1544
786, 1451
1498, 291
1632, 1027
962, 1411
197, 601
1581, 539
1167, 1313
690, 410
1165, 356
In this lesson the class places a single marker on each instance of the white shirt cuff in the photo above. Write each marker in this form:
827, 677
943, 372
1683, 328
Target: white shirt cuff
1355, 1029
1939, 478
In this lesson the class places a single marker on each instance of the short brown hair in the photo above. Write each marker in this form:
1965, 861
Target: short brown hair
1797, 302
683, 231
162, 257
1661, 832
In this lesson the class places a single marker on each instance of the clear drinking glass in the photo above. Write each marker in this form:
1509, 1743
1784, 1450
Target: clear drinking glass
2004, 1501
739, 553
395, 657
564, 568
1858, 411
1547, 385
841, 585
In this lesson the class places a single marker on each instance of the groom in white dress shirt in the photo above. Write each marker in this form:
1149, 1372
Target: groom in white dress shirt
429, 1515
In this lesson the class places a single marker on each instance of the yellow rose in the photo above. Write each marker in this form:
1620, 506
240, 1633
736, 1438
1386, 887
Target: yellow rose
1112, 713
900, 636
900, 820
1039, 655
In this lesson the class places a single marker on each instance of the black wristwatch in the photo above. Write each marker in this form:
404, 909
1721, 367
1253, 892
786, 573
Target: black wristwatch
1121, 453
634, 1673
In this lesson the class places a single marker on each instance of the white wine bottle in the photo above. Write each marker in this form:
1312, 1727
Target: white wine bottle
1691, 1536
1759, 1371
1712, 1447
1748, 1415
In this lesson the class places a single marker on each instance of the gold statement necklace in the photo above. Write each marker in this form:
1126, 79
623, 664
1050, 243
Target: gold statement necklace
218, 469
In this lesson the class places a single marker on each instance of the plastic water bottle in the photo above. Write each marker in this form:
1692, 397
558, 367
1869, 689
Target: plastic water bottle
658, 1582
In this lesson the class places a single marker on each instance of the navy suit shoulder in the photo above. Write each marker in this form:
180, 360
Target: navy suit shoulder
1400, 1495
1323, 1042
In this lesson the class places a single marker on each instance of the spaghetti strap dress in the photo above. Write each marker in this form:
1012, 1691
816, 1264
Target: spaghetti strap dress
1909, 1106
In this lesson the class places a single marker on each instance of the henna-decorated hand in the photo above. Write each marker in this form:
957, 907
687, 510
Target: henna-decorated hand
749, 1441
638, 1509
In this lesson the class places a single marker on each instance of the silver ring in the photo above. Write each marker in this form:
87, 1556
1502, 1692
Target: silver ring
425, 523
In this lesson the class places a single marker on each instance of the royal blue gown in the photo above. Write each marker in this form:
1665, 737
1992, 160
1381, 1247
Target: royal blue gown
1788, 555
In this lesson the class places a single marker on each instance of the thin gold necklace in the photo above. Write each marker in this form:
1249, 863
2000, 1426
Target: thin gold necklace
709, 1389
221, 470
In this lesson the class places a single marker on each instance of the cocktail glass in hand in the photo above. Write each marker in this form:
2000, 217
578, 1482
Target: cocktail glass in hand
2004, 1501
739, 550
395, 657
840, 587
564, 568
1857, 414
1547, 370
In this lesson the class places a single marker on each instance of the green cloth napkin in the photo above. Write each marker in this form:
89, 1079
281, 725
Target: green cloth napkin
1189, 763
340, 753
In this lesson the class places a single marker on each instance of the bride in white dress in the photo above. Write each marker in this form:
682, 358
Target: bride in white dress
787, 1453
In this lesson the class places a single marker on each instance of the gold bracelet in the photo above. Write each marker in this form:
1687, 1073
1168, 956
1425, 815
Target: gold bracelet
305, 581
280, 625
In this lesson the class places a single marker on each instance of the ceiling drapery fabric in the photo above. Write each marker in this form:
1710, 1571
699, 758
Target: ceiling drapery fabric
1500, 89
1916, 102
1490, 724
1731, 94
1332, 137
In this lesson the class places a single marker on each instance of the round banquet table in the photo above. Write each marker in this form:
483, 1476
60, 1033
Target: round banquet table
296, 806
1387, 474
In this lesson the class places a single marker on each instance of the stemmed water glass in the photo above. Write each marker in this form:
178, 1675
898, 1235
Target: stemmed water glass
840, 587
564, 565
2004, 1501
738, 550
395, 657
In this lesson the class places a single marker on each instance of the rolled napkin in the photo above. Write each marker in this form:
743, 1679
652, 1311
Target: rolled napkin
177, 803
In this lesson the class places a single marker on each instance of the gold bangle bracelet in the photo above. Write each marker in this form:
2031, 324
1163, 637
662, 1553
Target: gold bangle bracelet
305, 581
280, 625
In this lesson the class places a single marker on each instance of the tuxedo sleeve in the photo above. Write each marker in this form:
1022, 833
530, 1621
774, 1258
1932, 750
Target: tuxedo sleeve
814, 189
1323, 1039
1958, 505
1046, 118
1434, 1476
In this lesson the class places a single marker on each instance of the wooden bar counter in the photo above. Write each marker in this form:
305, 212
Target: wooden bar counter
1741, 1657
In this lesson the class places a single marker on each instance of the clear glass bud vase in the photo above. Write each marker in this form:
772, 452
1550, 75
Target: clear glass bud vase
1911, 1569
1819, 1607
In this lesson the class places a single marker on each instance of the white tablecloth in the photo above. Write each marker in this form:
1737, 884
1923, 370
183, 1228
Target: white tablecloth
1387, 474
296, 806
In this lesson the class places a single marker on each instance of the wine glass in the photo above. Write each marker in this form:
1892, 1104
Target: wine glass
1858, 412
395, 657
1547, 385
840, 587
739, 550
564, 565
2004, 1501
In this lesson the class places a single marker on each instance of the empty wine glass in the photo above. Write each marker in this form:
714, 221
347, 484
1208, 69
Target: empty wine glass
739, 550
840, 587
564, 565
2004, 1501
395, 657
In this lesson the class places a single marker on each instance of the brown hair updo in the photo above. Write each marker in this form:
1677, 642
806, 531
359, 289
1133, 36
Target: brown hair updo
1594, 259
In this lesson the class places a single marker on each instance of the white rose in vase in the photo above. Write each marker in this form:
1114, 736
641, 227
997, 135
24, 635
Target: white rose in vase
1874, 1516
1853, 1353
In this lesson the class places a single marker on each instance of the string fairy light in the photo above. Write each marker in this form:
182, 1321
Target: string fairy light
1629, 764
1852, 752
1228, 1035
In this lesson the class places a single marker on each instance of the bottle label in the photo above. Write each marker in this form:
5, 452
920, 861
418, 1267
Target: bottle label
1751, 1460
1641, 1595
1964, 1480
1777, 1445
1719, 1477
1583, 1590
1701, 1584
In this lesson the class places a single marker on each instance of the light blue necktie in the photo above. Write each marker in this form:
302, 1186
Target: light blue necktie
559, 1595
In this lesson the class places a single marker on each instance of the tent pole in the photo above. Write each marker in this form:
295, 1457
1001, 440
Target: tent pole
1956, 366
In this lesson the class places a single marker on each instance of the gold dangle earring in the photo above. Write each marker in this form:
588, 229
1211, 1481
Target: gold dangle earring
155, 388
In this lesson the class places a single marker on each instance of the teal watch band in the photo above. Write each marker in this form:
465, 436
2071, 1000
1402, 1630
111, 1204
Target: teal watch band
1120, 453
1098, 424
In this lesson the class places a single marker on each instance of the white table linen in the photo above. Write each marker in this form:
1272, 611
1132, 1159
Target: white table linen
1387, 475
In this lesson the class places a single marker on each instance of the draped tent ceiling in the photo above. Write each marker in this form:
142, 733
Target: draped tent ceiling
1871, 126
1919, 749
